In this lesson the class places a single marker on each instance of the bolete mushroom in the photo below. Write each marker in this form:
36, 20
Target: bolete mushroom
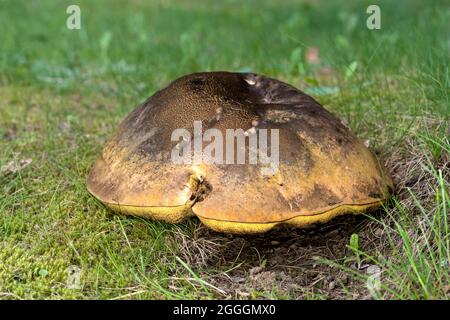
321, 170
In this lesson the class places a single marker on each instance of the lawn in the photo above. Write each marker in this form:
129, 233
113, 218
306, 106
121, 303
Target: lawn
63, 92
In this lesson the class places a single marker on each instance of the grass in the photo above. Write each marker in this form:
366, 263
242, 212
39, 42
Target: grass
62, 93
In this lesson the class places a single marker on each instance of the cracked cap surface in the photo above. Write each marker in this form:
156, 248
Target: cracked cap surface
324, 170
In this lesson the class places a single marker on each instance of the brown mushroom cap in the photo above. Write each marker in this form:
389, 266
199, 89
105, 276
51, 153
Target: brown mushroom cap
324, 170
